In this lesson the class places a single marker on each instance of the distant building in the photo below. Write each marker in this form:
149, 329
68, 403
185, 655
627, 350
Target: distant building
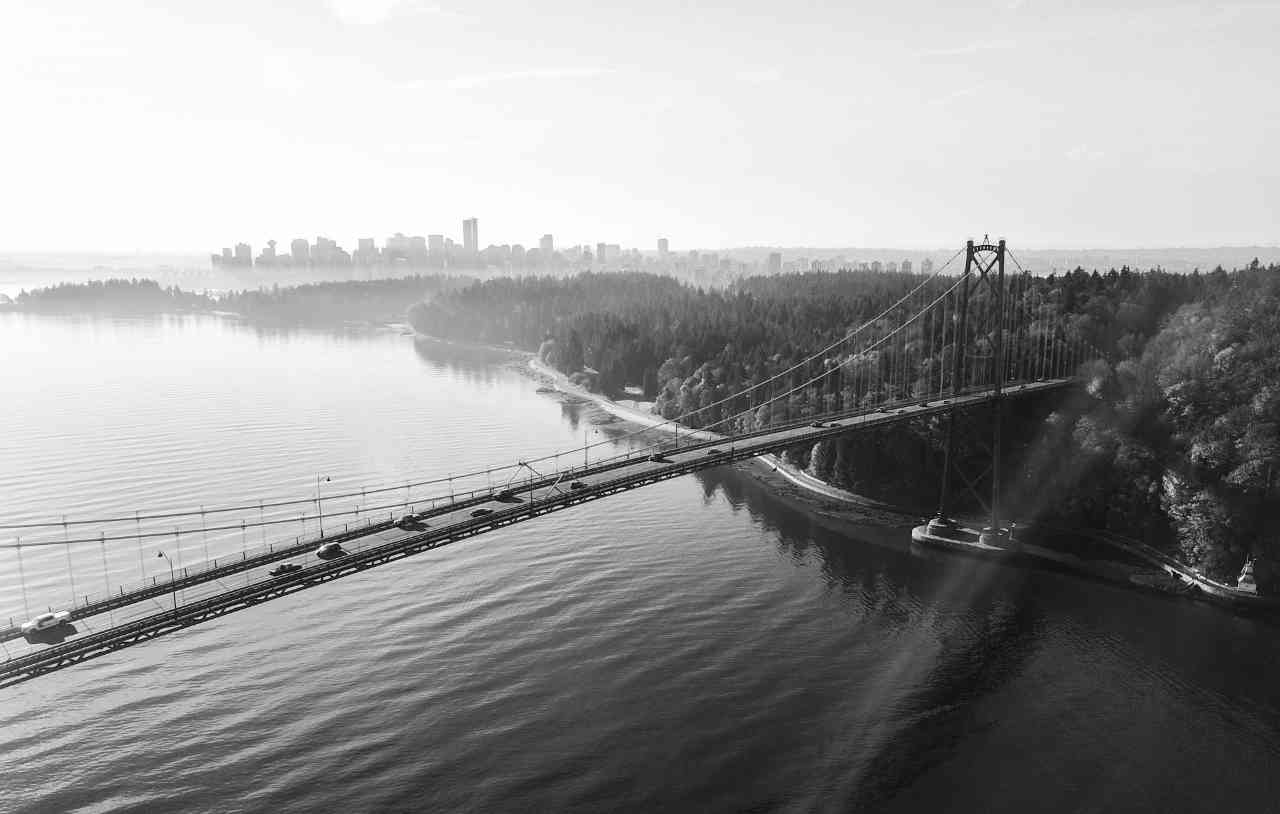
300, 252
892, 267
663, 246
876, 267
366, 252
906, 266
775, 263
471, 236
418, 250
601, 253
244, 255
435, 245
926, 266
398, 249
546, 247
327, 252
268, 255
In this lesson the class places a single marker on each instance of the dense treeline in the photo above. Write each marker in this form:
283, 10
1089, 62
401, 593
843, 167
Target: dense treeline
112, 296
1175, 440
1178, 440
383, 299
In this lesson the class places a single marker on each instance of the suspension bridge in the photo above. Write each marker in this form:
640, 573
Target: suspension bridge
958, 342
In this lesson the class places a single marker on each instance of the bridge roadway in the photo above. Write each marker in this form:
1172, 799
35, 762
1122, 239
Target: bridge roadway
137, 616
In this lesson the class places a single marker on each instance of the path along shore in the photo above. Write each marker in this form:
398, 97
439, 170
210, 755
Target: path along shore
636, 412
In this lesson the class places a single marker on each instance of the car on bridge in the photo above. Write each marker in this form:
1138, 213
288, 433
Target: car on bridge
481, 512
714, 451
45, 621
657, 458
577, 485
330, 551
817, 424
284, 569
410, 522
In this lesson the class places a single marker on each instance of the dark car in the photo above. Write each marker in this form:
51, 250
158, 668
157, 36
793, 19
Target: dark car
657, 458
715, 452
284, 568
481, 512
577, 485
817, 424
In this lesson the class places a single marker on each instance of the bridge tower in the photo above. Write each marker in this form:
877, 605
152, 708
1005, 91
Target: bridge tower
981, 317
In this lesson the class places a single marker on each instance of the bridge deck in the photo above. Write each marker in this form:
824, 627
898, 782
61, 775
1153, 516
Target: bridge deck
141, 615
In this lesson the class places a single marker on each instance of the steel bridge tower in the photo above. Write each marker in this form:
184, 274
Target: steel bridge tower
978, 359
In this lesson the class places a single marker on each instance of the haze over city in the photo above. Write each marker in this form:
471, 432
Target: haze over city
1088, 125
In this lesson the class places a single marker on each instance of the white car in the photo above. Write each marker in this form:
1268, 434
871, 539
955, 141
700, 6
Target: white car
329, 551
45, 621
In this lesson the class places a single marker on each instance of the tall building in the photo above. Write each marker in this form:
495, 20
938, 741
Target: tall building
366, 252
663, 246
244, 255
300, 251
775, 262
906, 266
471, 235
602, 253
926, 266
876, 268
546, 247
435, 245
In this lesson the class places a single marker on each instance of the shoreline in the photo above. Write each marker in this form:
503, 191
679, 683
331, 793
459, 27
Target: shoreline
772, 463
1160, 576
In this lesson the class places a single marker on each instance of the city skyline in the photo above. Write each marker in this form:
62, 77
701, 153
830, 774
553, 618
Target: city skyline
1058, 127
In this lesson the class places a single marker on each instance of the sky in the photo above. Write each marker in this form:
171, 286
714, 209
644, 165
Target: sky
188, 126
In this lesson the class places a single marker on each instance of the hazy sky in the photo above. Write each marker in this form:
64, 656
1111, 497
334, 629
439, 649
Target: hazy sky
193, 125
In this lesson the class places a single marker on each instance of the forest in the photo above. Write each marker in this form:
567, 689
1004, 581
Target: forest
1173, 439
315, 303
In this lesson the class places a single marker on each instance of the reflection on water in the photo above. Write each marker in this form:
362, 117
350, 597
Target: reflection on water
704, 643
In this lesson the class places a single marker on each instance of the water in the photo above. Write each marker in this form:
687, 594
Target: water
704, 643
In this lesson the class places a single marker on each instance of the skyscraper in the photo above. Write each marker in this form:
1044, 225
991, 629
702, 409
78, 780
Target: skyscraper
471, 236
663, 246
244, 255
775, 262
926, 266
300, 251
546, 247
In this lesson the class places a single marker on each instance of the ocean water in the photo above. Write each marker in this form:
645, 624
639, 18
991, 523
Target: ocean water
708, 643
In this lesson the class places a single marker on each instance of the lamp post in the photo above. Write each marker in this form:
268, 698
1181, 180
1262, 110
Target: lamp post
319, 506
586, 441
172, 578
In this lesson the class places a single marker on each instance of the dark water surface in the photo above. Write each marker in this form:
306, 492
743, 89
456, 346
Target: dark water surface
699, 644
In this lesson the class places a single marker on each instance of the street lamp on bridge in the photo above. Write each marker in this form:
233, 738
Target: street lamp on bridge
172, 578
319, 506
